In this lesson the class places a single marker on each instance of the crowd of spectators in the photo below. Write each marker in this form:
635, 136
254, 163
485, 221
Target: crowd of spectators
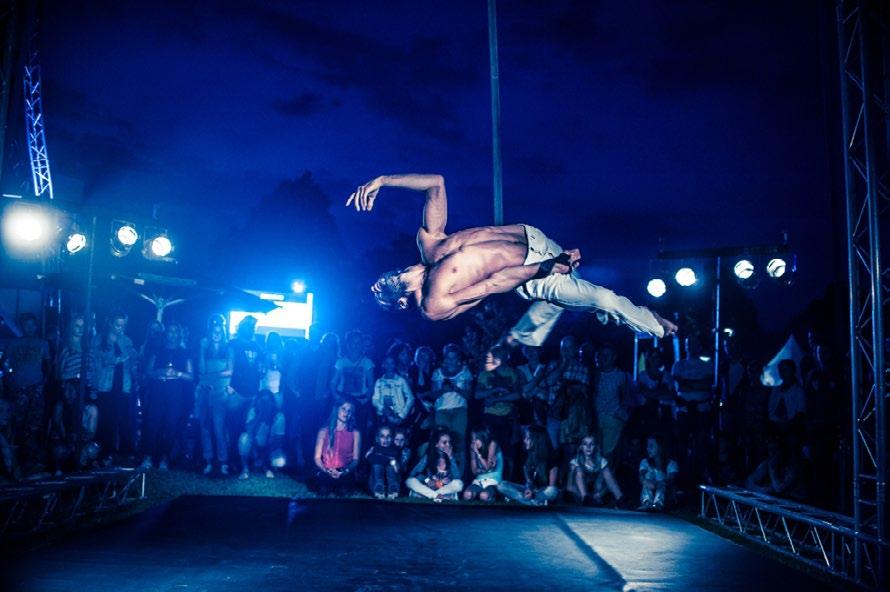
473, 420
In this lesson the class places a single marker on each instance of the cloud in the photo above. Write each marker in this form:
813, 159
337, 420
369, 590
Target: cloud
303, 104
415, 83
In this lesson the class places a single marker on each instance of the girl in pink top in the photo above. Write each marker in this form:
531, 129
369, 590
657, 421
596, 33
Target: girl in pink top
337, 451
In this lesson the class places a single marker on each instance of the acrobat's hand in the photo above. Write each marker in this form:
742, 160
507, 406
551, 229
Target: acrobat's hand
567, 262
363, 197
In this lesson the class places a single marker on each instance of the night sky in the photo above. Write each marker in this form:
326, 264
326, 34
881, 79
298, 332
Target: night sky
627, 126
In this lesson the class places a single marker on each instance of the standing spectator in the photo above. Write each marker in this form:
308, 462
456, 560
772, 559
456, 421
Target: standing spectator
752, 400
486, 466
354, 379
170, 371
590, 475
654, 384
787, 402
421, 380
473, 349
215, 364
436, 475
115, 357
610, 396
247, 370
541, 470
337, 450
452, 385
657, 477
297, 399
67, 411
28, 361
693, 380
574, 395
533, 404
401, 353
319, 378
9, 466
392, 396
499, 386
383, 458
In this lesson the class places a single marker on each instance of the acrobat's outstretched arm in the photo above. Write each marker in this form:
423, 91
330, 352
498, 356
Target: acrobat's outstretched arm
435, 210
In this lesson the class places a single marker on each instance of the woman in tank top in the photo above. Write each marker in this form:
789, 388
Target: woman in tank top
337, 450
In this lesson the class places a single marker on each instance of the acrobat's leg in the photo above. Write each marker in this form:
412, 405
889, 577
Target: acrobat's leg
536, 324
571, 292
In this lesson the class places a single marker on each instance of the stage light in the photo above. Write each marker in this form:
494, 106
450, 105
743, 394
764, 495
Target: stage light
123, 237
76, 242
161, 246
27, 225
776, 267
743, 269
656, 287
685, 276
298, 286
127, 235
156, 244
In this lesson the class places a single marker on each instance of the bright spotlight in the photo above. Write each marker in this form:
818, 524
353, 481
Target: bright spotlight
686, 277
298, 286
776, 268
656, 287
29, 228
743, 269
26, 228
123, 237
127, 235
161, 246
76, 242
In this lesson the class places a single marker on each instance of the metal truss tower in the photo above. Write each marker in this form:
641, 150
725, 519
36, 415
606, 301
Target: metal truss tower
864, 45
34, 130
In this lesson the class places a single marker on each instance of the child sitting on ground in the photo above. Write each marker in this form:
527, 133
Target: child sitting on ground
384, 480
590, 476
657, 476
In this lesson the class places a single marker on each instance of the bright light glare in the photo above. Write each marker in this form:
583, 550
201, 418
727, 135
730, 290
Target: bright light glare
776, 268
298, 286
290, 319
28, 226
76, 242
656, 287
685, 277
127, 235
161, 246
744, 269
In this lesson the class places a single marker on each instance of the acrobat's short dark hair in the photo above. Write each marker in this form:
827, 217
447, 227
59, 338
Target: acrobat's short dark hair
389, 289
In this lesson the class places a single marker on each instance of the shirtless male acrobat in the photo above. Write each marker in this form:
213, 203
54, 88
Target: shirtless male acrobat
457, 271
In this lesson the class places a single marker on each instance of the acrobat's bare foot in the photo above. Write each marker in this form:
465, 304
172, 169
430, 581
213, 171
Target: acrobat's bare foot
669, 327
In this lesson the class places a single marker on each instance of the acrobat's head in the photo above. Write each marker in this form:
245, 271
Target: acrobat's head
391, 291
395, 290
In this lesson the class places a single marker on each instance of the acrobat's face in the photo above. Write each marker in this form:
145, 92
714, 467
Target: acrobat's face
390, 291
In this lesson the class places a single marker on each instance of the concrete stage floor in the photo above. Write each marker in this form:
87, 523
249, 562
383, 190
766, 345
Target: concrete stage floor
266, 544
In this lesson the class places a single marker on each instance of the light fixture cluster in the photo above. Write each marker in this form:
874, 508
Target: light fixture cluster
156, 243
778, 268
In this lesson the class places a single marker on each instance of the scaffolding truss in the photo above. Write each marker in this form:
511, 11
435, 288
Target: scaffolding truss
30, 508
35, 132
864, 59
821, 539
